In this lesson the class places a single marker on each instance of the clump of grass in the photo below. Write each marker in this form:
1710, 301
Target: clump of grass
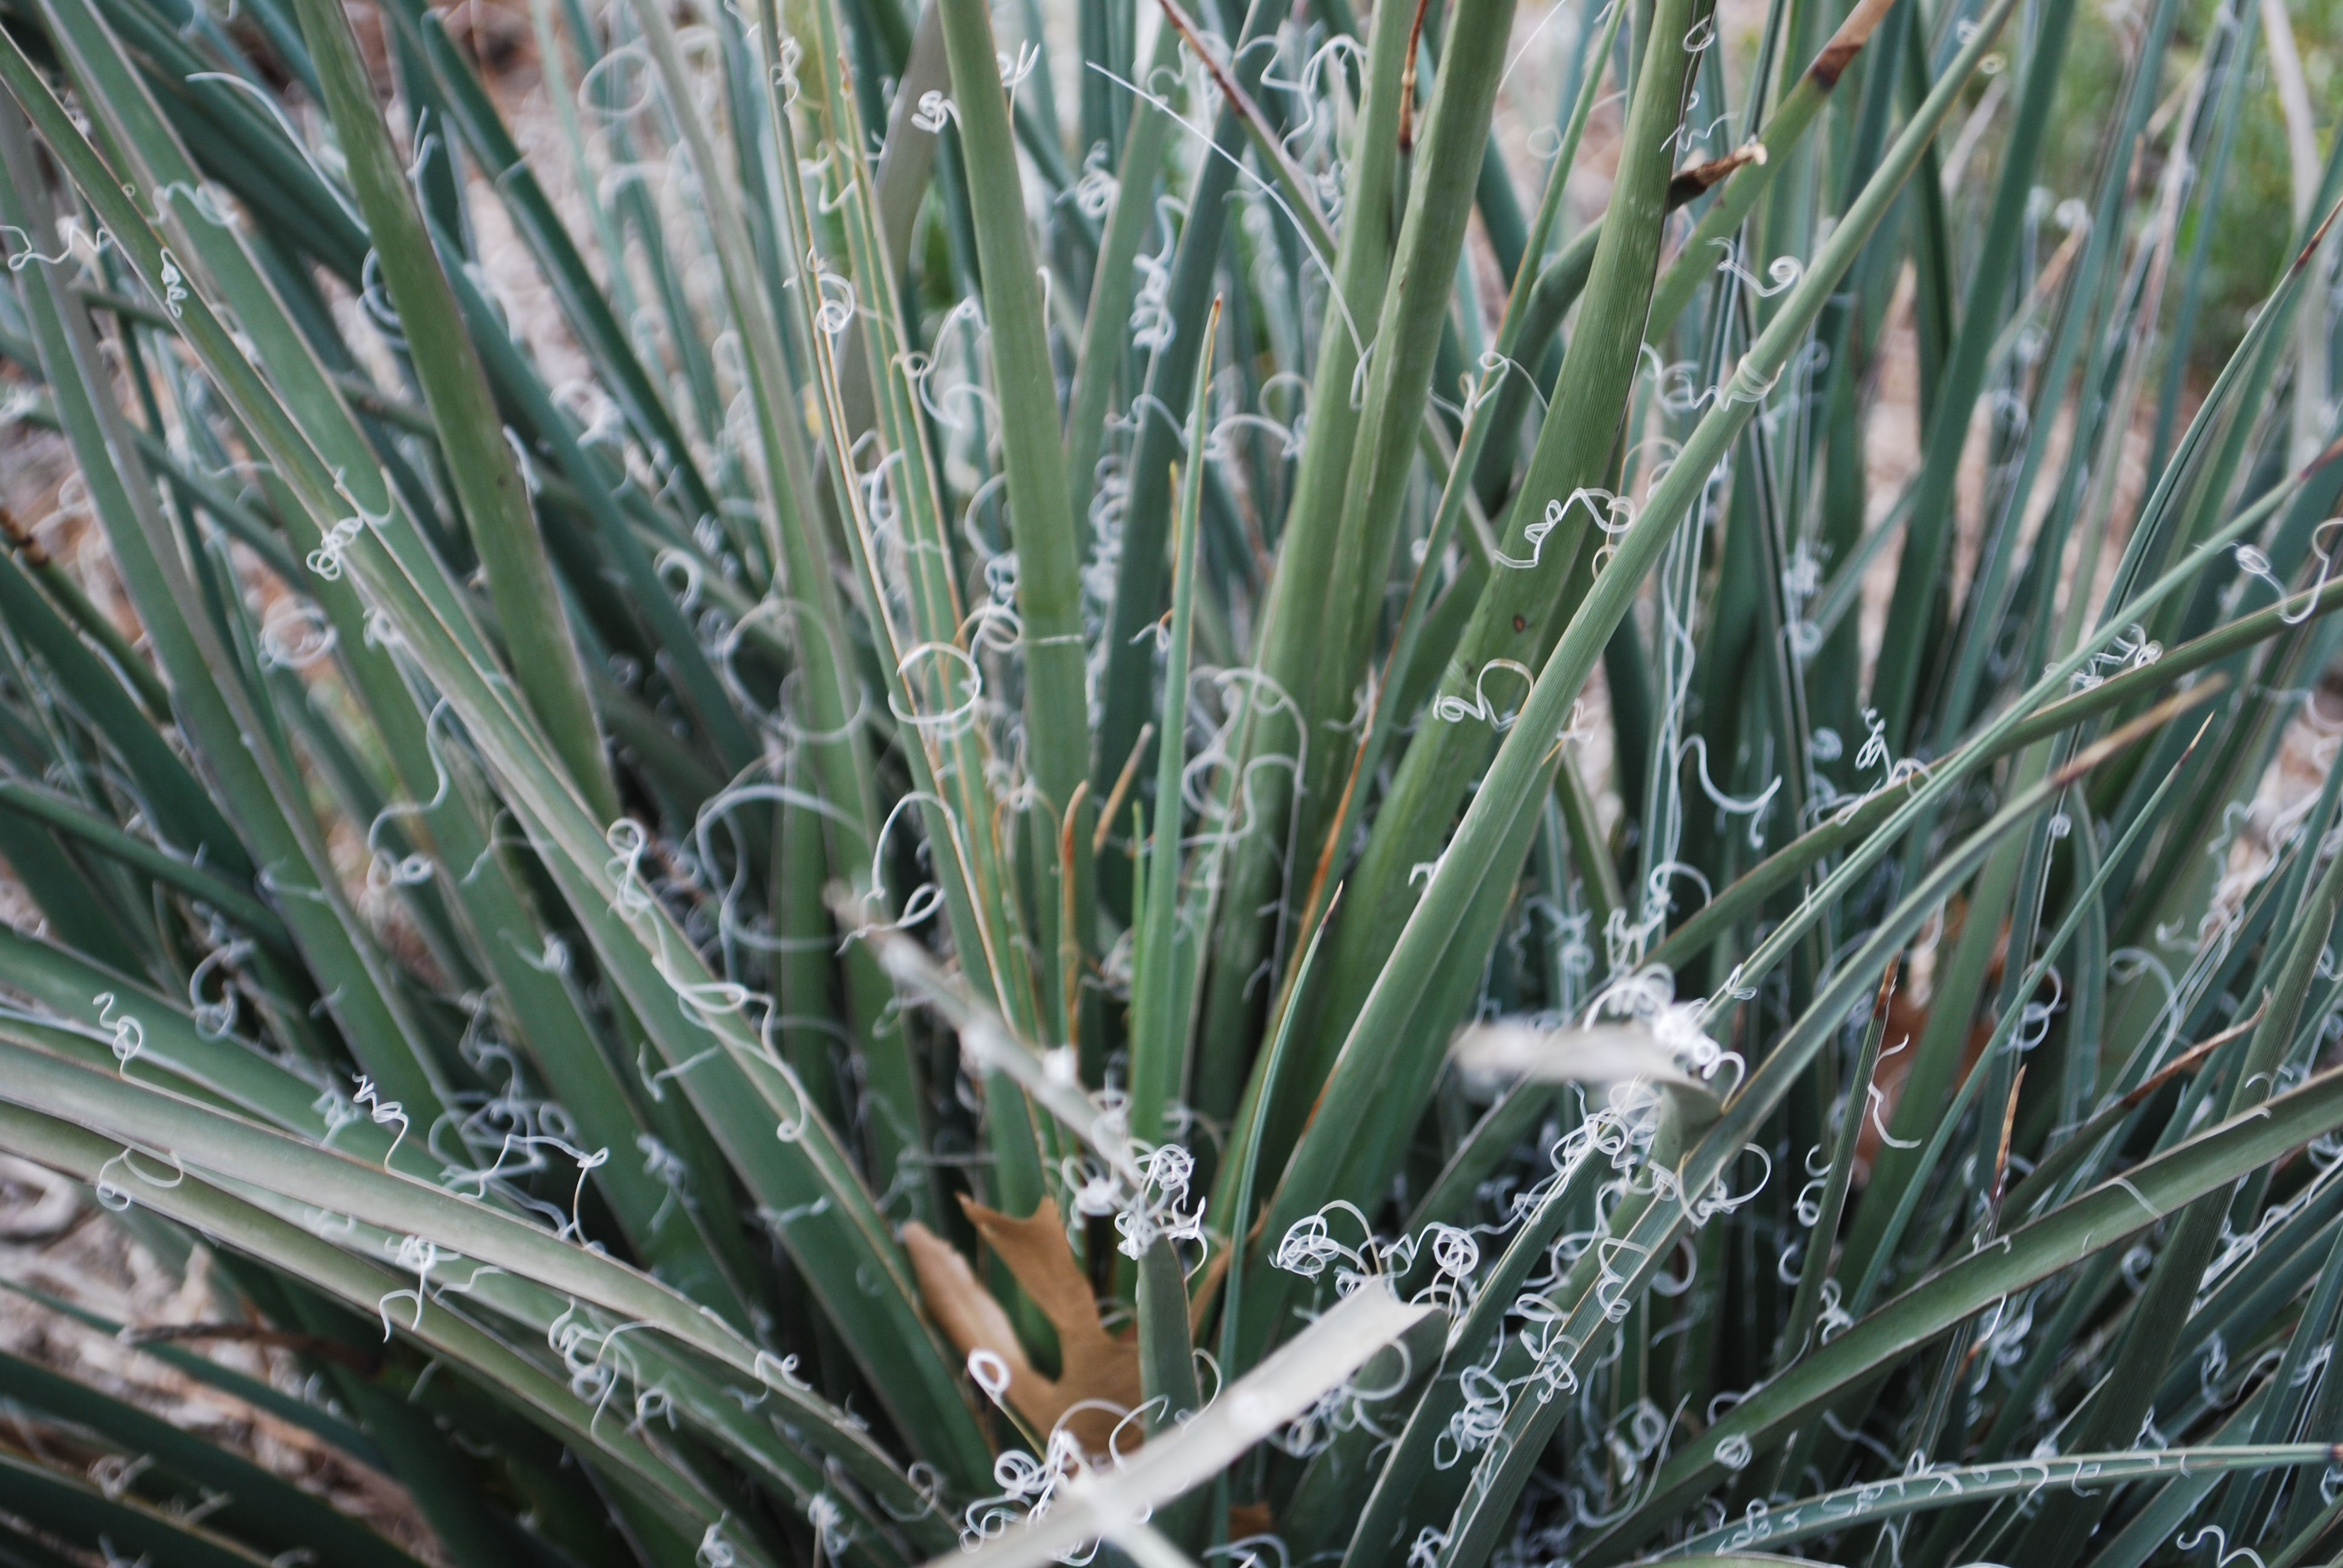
961, 899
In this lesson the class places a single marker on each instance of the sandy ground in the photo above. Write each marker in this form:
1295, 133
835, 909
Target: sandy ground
55, 1242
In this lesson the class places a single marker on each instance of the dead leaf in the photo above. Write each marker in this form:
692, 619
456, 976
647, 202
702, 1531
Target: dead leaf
1250, 1519
1096, 1370
1907, 1020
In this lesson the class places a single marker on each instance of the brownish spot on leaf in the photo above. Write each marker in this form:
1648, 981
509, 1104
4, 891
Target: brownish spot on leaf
21, 540
1097, 1371
1688, 183
1250, 1519
1832, 63
1847, 43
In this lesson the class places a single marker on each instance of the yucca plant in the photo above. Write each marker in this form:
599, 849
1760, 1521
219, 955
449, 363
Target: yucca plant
957, 784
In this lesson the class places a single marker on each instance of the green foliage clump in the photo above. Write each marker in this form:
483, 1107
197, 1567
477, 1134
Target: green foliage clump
1021, 832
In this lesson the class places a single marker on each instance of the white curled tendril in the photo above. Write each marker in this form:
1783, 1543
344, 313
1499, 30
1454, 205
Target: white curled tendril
2254, 563
333, 547
1784, 270
935, 111
129, 1034
421, 1254
2132, 649
112, 1196
383, 1112
1612, 513
1453, 709
1157, 1212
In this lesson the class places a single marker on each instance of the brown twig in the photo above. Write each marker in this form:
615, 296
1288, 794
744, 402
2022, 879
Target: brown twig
1121, 787
1407, 80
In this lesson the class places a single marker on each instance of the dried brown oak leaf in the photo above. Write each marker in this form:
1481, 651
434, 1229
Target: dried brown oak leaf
1096, 1370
